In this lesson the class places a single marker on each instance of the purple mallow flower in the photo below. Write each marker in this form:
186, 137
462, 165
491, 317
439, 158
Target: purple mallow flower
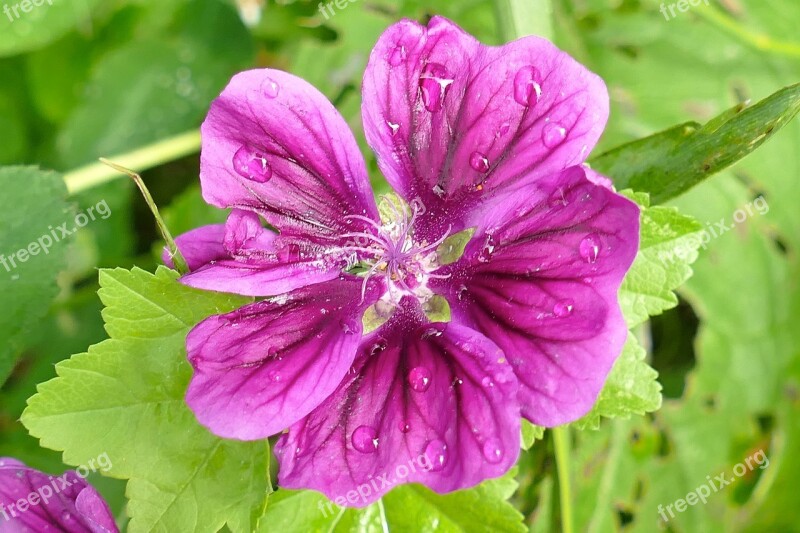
33, 502
479, 141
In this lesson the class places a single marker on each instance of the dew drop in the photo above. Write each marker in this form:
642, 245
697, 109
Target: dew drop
289, 253
589, 247
553, 134
378, 347
487, 382
527, 86
405, 427
365, 439
558, 199
434, 84
252, 165
349, 327
66, 516
274, 376
479, 162
493, 450
487, 251
436, 454
462, 290
432, 331
419, 378
398, 55
270, 88
563, 308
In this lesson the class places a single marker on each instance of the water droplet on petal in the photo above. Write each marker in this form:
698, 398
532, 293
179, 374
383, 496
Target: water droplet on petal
504, 128
589, 247
419, 378
252, 165
398, 55
433, 331
462, 290
405, 427
527, 86
553, 134
289, 253
436, 455
487, 382
479, 162
563, 308
365, 439
378, 347
274, 376
488, 249
66, 516
349, 327
493, 450
270, 88
434, 84
558, 199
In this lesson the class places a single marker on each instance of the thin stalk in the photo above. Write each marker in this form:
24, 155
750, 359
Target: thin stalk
177, 258
141, 159
561, 445
519, 18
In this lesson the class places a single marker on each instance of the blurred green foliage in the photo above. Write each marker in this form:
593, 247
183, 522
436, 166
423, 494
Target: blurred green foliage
84, 79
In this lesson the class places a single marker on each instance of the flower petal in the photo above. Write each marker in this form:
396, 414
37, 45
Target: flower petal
544, 285
265, 366
199, 246
427, 403
453, 121
243, 257
68, 503
274, 144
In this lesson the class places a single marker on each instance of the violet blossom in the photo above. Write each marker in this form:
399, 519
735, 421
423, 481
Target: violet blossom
487, 142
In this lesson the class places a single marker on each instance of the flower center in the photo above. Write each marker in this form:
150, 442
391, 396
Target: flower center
391, 251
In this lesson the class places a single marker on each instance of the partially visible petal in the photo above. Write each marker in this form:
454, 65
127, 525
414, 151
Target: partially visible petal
453, 121
263, 367
199, 246
243, 257
76, 508
544, 286
427, 403
275, 145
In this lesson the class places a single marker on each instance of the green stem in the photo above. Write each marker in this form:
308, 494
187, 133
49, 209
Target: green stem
758, 41
561, 445
518, 18
141, 159
177, 258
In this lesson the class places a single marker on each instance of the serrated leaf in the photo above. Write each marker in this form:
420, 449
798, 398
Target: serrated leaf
669, 163
33, 204
530, 434
631, 388
125, 398
668, 245
406, 508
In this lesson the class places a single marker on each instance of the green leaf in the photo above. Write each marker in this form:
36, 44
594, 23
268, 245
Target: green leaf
156, 87
530, 434
631, 388
32, 208
125, 397
669, 163
406, 508
22, 31
668, 245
